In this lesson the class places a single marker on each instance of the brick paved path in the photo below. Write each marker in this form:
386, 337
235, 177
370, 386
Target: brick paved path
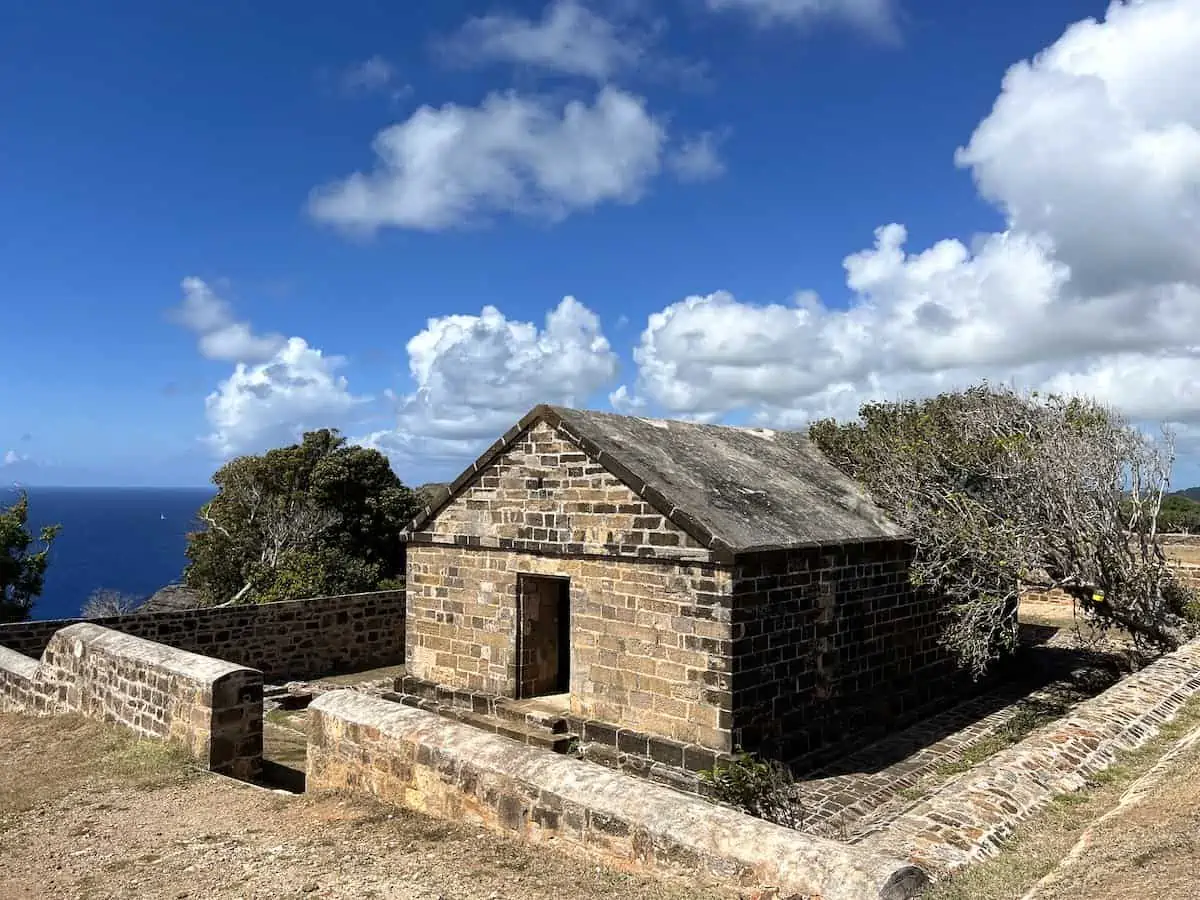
862, 792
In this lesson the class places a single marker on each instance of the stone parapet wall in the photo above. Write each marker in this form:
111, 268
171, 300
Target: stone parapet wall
421, 761
211, 708
971, 816
294, 639
649, 638
831, 642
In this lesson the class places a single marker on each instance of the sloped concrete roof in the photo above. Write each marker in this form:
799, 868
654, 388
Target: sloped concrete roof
735, 490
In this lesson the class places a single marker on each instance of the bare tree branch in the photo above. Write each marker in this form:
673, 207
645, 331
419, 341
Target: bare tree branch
1002, 490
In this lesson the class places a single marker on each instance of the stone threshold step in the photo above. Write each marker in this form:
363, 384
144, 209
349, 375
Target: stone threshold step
521, 731
482, 704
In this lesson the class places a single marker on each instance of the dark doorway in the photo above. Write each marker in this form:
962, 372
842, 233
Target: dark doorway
543, 636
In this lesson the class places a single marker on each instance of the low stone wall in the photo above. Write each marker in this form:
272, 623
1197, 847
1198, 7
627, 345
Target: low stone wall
211, 708
1188, 572
971, 816
19, 688
419, 760
294, 639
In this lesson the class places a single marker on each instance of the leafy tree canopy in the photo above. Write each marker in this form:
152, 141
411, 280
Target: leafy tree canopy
1000, 490
318, 517
22, 569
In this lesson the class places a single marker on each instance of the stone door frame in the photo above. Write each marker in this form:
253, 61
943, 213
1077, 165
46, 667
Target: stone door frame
563, 586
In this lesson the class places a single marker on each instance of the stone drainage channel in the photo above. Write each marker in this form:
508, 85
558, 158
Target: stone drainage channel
847, 800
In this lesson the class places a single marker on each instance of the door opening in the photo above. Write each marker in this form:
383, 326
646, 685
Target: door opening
543, 636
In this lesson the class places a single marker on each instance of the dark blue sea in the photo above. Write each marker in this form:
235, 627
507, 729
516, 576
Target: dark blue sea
128, 539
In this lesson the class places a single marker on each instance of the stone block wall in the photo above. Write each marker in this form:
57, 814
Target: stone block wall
650, 639
544, 495
649, 610
295, 639
418, 760
212, 708
1179, 549
830, 643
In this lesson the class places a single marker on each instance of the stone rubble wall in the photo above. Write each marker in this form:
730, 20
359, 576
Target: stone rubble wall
294, 639
416, 759
211, 708
970, 817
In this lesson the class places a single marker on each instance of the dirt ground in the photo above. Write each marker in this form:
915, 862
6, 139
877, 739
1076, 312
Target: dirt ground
87, 812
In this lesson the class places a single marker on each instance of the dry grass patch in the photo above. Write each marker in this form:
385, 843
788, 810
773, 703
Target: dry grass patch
45, 758
85, 832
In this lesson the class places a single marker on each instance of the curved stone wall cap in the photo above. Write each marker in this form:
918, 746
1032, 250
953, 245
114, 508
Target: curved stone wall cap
81, 637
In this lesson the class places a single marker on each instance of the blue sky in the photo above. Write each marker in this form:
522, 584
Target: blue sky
190, 267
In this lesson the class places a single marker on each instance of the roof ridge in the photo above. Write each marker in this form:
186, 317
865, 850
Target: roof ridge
789, 494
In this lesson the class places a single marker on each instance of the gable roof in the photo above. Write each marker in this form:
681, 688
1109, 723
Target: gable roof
735, 490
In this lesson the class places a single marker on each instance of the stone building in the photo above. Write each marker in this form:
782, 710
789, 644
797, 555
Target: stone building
712, 585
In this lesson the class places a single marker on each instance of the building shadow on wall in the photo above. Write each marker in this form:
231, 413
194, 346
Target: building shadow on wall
1040, 682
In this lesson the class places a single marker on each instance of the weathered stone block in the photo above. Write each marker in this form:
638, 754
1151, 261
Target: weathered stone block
618, 820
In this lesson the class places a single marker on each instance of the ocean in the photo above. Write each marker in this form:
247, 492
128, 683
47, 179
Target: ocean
128, 539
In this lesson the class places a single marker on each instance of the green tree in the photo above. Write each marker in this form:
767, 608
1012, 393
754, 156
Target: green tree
1001, 490
1179, 514
22, 570
318, 517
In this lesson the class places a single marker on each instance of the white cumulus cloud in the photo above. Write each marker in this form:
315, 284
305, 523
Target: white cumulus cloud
220, 336
697, 158
270, 404
1093, 152
475, 375
279, 388
455, 165
569, 38
1096, 141
373, 74
12, 458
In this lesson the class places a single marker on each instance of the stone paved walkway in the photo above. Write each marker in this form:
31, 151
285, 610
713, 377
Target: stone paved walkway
863, 792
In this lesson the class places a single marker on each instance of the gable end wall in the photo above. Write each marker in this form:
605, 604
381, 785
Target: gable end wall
649, 608
545, 495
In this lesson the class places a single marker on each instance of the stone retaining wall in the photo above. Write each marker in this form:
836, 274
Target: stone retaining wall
211, 708
973, 814
294, 639
419, 760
